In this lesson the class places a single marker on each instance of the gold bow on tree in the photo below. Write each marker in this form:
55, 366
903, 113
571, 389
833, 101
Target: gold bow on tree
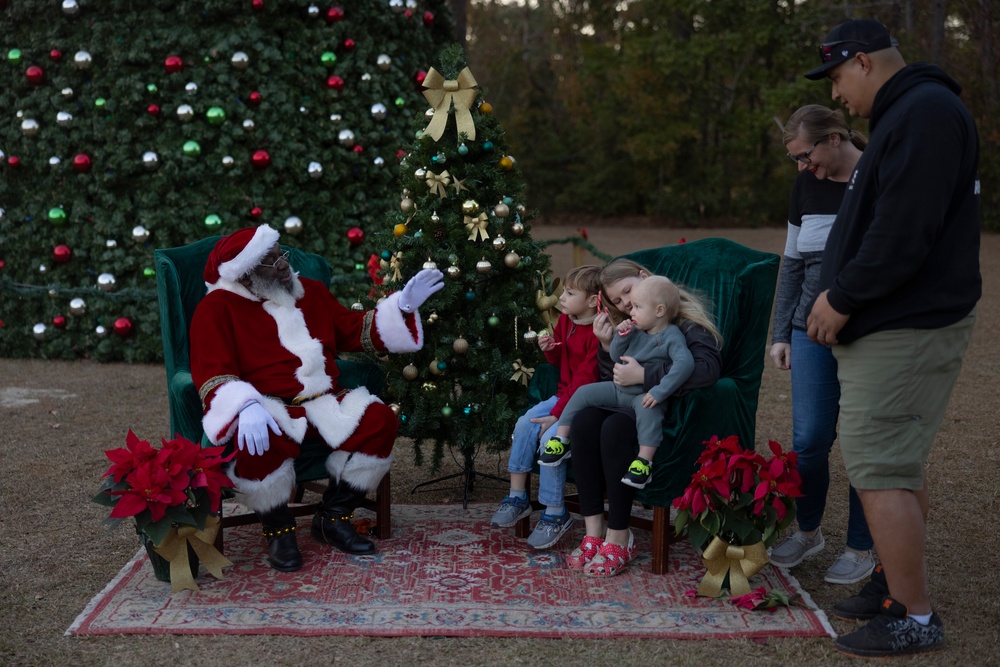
739, 562
477, 227
396, 264
175, 549
438, 183
441, 93
521, 373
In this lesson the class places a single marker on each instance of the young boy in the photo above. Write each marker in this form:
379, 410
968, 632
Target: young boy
649, 336
573, 348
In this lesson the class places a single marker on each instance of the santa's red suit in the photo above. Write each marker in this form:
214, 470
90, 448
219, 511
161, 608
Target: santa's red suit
283, 356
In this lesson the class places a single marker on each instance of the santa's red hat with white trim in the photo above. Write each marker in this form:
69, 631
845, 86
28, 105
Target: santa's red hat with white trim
239, 253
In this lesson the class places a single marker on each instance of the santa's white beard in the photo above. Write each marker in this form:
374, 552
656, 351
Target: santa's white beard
272, 289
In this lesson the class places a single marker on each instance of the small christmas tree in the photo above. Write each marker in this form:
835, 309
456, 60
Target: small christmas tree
461, 209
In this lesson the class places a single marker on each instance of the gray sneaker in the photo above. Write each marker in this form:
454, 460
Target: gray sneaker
850, 568
511, 511
796, 548
549, 529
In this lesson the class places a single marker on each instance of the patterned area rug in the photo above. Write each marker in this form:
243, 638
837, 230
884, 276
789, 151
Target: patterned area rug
444, 572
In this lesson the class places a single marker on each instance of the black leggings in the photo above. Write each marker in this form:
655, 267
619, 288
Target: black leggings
604, 445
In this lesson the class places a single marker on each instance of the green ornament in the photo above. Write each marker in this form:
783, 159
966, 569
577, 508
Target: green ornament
446, 411
400, 102
493, 321
213, 221
192, 149
329, 58
463, 150
358, 266
57, 216
216, 116
149, 272
100, 102
151, 88
14, 55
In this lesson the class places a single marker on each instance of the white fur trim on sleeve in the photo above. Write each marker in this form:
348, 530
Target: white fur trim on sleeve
222, 418
337, 420
390, 322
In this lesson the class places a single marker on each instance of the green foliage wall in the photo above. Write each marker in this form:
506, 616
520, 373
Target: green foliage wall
132, 125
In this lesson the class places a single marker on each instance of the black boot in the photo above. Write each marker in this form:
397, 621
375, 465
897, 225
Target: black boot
332, 523
278, 526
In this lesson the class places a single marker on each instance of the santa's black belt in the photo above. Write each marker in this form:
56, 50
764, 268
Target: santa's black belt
302, 398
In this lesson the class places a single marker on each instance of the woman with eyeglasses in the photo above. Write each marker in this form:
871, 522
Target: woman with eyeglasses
826, 151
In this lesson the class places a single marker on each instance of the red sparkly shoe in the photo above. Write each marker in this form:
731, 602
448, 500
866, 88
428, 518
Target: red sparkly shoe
611, 559
585, 553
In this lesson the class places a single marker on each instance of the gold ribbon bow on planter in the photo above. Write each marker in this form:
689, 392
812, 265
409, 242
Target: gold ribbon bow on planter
441, 93
477, 227
175, 549
438, 182
521, 373
739, 562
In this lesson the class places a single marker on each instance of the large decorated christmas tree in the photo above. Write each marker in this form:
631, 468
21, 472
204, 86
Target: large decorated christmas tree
128, 126
461, 209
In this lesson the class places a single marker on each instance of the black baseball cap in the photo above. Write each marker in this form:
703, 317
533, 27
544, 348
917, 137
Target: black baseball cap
848, 39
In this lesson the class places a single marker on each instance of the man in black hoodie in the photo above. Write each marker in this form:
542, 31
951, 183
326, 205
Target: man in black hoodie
898, 290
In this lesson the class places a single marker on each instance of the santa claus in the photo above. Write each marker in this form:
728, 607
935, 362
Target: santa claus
264, 346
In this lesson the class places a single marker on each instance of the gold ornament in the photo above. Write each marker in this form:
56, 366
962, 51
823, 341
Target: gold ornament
517, 228
484, 266
395, 408
433, 317
410, 372
521, 209
406, 205
461, 346
442, 94
486, 108
477, 227
506, 163
433, 367
400, 230
470, 207
438, 183
434, 217
511, 260
453, 271
531, 337
458, 184
428, 386
429, 264
501, 210
499, 243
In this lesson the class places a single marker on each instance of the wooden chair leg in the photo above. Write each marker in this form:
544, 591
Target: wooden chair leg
660, 542
383, 513
219, 542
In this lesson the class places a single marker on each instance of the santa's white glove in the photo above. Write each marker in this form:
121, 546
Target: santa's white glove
254, 422
419, 288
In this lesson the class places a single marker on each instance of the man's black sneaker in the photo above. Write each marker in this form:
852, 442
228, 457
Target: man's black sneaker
893, 633
638, 474
555, 452
867, 602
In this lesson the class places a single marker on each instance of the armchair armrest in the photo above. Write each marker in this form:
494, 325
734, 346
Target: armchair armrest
185, 406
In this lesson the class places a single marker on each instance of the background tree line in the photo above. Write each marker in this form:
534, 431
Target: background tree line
672, 108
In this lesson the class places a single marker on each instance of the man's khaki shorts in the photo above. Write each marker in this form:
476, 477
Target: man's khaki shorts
894, 389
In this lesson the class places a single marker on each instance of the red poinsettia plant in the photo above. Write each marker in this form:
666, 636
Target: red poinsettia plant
738, 495
179, 484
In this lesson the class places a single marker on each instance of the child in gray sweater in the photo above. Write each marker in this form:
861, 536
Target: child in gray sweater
649, 336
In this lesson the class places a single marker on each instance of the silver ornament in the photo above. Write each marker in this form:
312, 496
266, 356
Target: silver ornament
19, 114
240, 60
185, 112
191, 88
378, 162
429, 113
335, 118
248, 125
430, 264
228, 161
484, 266
70, 7
54, 161
42, 268
313, 11
3, 214
530, 337
64, 118
346, 138
411, 4
77, 306
150, 160
379, 112
397, 6
366, 77
82, 60
453, 271
501, 210
293, 225
67, 92
420, 174
30, 127
383, 61
140, 234
53, 294
106, 282
111, 243
357, 305
39, 331
100, 331
315, 169
499, 243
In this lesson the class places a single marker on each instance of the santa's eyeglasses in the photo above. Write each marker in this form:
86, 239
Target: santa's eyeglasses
283, 257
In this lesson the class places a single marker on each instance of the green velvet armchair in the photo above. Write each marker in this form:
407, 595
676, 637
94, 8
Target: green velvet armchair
180, 287
739, 282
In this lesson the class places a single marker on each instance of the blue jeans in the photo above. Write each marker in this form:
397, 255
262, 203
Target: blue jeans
524, 450
815, 407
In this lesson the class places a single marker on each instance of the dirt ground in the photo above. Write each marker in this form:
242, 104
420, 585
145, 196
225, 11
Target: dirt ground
59, 417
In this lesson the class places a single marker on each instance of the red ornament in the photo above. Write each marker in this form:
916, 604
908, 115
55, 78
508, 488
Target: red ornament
257, 5
256, 212
59, 322
334, 15
2, 264
173, 64
35, 75
153, 110
358, 149
419, 77
356, 236
349, 44
55, 55
62, 253
260, 159
428, 19
408, 14
14, 161
81, 163
123, 326
335, 83
400, 154
255, 98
